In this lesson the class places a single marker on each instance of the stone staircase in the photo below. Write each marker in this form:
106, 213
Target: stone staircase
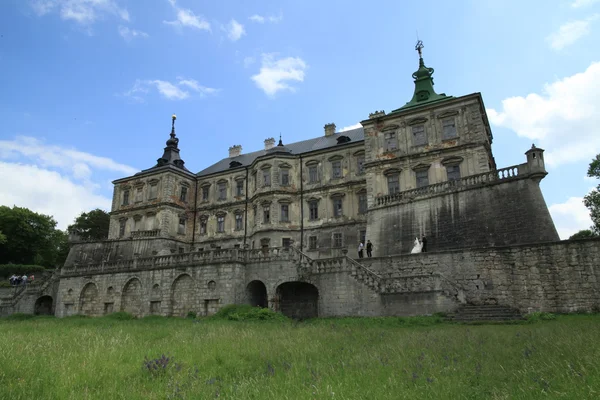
484, 312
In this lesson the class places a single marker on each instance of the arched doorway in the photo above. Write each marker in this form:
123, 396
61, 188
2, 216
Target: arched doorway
184, 296
131, 300
256, 294
43, 306
88, 300
298, 300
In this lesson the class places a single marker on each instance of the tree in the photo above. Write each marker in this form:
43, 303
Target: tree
584, 234
2, 238
31, 238
92, 225
592, 199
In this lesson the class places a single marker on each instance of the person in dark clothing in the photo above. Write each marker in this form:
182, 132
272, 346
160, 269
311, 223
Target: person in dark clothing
369, 248
360, 249
424, 244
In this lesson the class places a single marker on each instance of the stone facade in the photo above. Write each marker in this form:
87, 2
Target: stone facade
279, 227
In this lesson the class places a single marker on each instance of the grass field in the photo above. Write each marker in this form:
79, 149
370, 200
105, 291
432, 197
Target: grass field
382, 358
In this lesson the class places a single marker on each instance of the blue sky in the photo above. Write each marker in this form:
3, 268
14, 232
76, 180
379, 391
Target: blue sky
88, 86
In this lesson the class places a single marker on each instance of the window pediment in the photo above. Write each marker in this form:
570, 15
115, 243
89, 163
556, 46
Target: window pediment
221, 181
265, 203
239, 178
336, 157
184, 183
137, 217
153, 181
312, 162
421, 167
317, 199
221, 213
391, 127
238, 212
126, 187
361, 191
417, 121
205, 184
284, 201
265, 166
285, 166
452, 160
203, 217
393, 171
337, 195
358, 153
447, 114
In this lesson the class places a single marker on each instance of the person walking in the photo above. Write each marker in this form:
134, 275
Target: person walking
369, 248
360, 249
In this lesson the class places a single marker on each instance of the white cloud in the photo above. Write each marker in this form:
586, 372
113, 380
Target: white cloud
583, 3
187, 18
248, 61
171, 91
261, 20
564, 119
47, 192
349, 128
570, 217
570, 32
275, 75
235, 30
130, 34
84, 12
54, 180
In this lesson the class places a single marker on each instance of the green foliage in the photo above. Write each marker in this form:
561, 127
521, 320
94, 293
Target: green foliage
120, 316
245, 312
584, 234
7, 270
343, 358
31, 238
92, 225
592, 199
2, 238
19, 317
540, 316
191, 315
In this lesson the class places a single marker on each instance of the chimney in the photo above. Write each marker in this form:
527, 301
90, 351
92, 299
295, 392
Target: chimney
235, 150
329, 129
269, 143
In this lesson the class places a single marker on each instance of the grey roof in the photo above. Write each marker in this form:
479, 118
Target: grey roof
305, 146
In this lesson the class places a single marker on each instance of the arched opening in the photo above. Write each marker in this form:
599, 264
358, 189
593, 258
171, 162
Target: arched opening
256, 294
43, 306
88, 300
298, 300
184, 296
131, 300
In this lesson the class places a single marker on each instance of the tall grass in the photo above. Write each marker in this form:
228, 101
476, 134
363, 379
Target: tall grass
384, 358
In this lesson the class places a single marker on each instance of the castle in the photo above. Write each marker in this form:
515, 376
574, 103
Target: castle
280, 227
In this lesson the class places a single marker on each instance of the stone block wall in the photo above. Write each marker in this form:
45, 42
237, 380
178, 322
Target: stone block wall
501, 214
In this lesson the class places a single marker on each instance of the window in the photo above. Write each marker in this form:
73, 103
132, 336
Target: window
221, 223
255, 213
393, 183
239, 222
422, 178
448, 128
360, 164
137, 223
337, 240
313, 208
222, 191
266, 214
267, 177
362, 203
312, 242
419, 136
150, 220
205, 193
336, 169
203, 227
313, 174
153, 191
363, 236
254, 181
453, 172
285, 177
239, 188
390, 143
337, 207
286, 242
183, 194
181, 226
122, 227
139, 194
126, 197
285, 213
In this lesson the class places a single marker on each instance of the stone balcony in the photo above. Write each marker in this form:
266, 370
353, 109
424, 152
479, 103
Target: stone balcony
145, 234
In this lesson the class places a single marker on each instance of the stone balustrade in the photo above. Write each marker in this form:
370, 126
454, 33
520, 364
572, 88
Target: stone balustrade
145, 234
491, 177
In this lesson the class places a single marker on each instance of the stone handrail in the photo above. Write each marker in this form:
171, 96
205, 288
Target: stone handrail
364, 269
145, 234
466, 182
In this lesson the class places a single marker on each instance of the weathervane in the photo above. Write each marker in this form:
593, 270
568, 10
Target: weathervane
418, 47
173, 118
